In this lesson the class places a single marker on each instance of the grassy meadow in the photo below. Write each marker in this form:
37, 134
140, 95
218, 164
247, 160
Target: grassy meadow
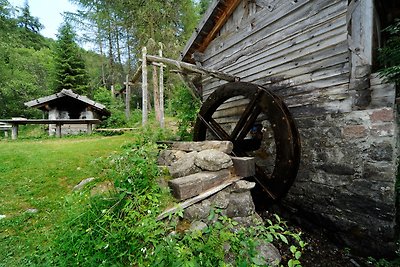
40, 174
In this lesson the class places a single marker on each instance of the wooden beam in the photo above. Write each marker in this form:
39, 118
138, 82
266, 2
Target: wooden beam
191, 87
144, 86
127, 98
221, 20
137, 74
193, 68
44, 121
162, 116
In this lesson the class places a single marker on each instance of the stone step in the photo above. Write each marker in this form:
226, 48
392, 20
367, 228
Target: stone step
195, 184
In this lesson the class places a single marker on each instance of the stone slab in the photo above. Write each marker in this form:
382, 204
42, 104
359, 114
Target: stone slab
194, 184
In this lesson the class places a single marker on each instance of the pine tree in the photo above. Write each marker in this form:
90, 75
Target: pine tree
70, 66
29, 28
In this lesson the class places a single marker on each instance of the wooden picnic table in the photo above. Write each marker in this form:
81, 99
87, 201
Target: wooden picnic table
15, 123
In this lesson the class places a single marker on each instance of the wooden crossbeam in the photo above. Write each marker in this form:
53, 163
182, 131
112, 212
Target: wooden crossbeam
193, 68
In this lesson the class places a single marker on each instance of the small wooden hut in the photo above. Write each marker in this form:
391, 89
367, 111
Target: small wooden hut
319, 56
67, 105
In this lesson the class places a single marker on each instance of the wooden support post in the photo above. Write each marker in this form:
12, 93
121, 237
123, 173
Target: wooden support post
144, 87
156, 94
112, 91
14, 132
127, 98
89, 128
160, 53
58, 130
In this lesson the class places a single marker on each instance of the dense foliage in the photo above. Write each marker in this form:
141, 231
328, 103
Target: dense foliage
26, 61
185, 107
118, 30
32, 66
389, 55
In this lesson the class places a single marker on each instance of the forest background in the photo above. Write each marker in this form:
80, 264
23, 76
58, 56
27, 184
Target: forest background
32, 66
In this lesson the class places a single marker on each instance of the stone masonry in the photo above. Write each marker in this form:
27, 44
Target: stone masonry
197, 171
347, 177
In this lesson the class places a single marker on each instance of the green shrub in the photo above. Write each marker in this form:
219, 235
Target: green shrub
185, 107
389, 55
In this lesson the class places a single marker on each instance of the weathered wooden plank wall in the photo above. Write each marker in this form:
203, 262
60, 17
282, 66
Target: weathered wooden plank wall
317, 55
302, 46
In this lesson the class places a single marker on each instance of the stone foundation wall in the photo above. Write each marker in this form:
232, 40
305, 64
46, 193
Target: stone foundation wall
200, 166
347, 176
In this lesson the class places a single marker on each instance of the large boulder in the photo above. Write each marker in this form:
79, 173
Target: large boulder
268, 254
168, 157
240, 205
213, 160
184, 166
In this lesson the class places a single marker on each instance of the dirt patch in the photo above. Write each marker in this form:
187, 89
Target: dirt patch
320, 249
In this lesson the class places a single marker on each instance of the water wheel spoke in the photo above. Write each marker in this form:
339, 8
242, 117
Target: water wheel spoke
246, 114
260, 173
220, 130
249, 123
215, 128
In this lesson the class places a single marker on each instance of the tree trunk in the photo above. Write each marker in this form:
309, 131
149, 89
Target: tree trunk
127, 98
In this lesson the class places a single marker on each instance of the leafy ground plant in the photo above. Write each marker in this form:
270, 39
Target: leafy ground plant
389, 55
121, 229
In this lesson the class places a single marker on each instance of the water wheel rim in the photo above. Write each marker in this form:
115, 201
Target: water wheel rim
286, 136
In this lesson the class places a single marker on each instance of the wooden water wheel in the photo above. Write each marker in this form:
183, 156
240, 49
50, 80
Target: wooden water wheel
264, 129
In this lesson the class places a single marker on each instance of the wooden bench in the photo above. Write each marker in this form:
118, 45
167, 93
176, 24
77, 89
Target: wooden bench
15, 123
5, 128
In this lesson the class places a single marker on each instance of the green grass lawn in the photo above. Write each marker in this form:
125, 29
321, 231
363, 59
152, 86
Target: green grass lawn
40, 174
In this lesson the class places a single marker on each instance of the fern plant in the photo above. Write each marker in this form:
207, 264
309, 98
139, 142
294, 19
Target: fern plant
389, 55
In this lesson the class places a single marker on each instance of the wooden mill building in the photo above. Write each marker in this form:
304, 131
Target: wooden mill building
67, 105
319, 56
